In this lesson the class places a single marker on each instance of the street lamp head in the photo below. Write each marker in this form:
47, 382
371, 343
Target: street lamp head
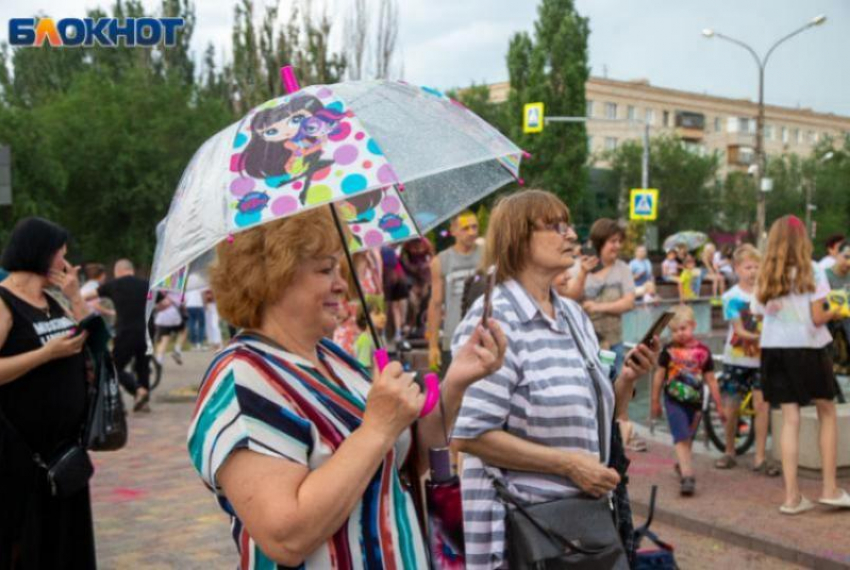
827, 156
818, 20
708, 32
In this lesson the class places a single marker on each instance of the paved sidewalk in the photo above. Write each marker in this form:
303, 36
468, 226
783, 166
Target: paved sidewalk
741, 508
152, 511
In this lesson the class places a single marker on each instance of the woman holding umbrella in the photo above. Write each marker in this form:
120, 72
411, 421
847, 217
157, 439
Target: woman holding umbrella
300, 446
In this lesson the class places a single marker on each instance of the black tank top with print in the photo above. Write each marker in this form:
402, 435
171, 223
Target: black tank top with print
47, 405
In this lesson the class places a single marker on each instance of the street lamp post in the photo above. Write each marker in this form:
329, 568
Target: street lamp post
760, 155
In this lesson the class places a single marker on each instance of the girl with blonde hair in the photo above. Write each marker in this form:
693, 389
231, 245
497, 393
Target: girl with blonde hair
796, 365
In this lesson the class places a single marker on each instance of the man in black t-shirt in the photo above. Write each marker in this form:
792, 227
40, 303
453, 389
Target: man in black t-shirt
129, 295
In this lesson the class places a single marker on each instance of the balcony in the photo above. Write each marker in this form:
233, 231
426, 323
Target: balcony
737, 155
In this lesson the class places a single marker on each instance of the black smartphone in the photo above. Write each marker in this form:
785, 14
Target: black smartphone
490, 282
657, 328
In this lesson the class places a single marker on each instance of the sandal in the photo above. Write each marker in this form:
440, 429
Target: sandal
688, 486
767, 468
637, 444
725, 462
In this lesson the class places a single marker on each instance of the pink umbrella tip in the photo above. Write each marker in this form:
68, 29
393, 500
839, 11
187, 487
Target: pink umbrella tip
401, 187
150, 295
521, 181
287, 77
229, 238
526, 155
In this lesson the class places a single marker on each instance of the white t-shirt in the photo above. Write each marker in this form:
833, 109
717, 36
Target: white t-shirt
788, 320
737, 351
195, 299
169, 316
826, 262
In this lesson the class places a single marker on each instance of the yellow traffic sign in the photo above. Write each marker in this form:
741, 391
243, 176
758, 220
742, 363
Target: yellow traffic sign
532, 118
643, 204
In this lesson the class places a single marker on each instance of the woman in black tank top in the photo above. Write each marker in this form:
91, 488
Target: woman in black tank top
43, 396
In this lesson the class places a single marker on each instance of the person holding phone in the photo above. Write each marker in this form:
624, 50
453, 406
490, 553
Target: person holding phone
534, 418
43, 397
609, 291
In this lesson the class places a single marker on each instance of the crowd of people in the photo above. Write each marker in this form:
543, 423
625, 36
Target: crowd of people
306, 442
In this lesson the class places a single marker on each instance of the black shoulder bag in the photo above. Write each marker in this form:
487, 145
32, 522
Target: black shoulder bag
570, 533
67, 473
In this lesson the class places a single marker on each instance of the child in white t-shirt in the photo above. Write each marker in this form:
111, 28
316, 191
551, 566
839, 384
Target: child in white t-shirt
796, 364
742, 362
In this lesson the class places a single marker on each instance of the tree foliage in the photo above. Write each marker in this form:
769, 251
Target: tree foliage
552, 67
100, 136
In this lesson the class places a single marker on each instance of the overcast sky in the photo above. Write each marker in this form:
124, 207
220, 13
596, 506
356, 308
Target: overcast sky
451, 43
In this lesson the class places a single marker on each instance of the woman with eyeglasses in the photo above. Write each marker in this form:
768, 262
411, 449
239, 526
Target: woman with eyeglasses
535, 419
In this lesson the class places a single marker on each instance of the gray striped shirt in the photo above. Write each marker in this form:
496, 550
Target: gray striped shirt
543, 394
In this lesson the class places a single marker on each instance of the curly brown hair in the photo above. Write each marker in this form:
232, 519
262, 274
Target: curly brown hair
259, 264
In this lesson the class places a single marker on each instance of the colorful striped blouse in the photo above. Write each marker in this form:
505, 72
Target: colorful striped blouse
259, 397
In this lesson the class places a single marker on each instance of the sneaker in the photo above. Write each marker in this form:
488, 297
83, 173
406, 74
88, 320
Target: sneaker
688, 486
725, 462
178, 358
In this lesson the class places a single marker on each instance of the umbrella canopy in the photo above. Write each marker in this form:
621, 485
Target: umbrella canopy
691, 239
397, 159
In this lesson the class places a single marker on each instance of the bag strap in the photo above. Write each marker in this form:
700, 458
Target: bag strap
506, 496
595, 375
16, 435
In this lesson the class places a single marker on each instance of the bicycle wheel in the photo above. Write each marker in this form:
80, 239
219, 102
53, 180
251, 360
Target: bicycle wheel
156, 372
716, 431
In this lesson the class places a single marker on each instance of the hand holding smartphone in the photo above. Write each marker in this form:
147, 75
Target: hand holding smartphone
655, 330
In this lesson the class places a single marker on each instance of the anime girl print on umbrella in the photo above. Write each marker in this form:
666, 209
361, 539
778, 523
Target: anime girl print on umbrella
300, 151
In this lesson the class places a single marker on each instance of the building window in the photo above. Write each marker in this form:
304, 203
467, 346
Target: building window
811, 137
665, 119
610, 143
798, 136
785, 135
768, 132
650, 116
718, 125
732, 124
631, 112
589, 144
590, 108
746, 155
744, 124
610, 110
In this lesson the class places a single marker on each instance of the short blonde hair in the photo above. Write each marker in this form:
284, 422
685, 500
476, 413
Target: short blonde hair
253, 270
745, 252
681, 315
511, 224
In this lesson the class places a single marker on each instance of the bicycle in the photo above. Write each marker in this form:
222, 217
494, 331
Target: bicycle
128, 380
715, 430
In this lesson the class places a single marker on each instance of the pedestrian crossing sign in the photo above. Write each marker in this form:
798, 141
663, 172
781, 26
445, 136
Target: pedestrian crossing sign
643, 204
532, 118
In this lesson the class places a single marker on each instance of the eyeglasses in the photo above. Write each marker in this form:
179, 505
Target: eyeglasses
562, 228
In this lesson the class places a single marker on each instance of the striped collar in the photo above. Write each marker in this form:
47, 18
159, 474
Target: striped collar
527, 308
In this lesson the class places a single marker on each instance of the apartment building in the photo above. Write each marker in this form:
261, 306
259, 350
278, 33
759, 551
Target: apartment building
705, 123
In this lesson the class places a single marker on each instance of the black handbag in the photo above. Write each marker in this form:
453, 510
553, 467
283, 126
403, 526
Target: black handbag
67, 473
570, 533
106, 426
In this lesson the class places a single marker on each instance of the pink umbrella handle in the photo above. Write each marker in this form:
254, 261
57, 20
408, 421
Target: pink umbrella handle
287, 77
431, 381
